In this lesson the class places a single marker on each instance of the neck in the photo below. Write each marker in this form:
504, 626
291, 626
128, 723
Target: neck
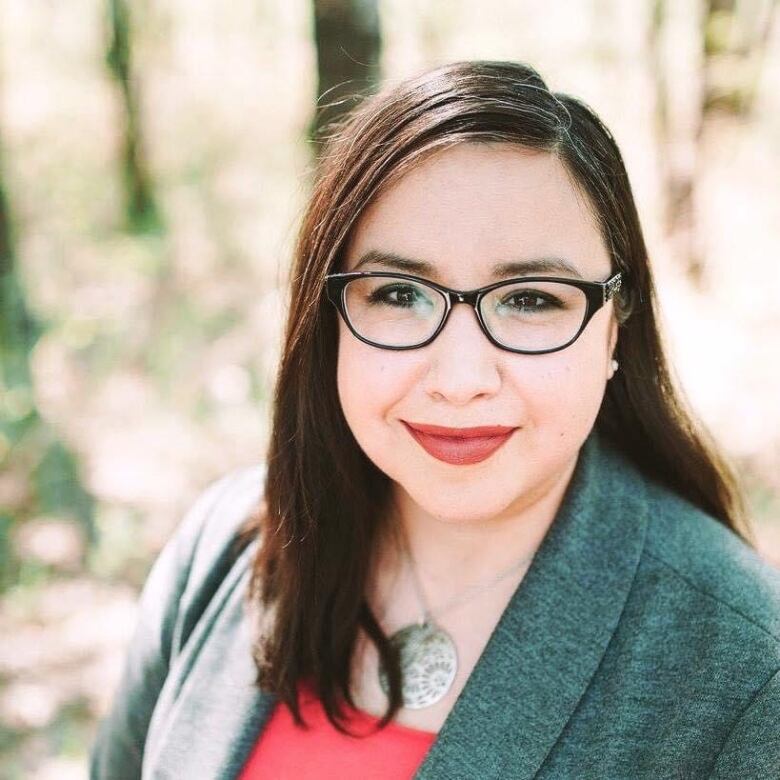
452, 555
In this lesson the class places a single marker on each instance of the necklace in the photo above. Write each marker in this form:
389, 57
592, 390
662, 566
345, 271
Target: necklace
429, 658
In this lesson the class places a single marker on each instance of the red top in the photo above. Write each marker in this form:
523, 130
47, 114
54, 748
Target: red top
286, 752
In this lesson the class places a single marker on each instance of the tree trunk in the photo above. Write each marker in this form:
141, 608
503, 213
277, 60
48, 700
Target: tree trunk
141, 211
679, 81
714, 77
348, 41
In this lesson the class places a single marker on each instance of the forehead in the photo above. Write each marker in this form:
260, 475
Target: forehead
472, 206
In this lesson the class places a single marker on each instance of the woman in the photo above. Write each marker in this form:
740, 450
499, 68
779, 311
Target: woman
492, 542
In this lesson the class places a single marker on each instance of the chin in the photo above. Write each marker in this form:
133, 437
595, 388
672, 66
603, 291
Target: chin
470, 505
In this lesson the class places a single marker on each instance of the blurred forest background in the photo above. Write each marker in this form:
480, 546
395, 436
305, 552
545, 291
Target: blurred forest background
154, 158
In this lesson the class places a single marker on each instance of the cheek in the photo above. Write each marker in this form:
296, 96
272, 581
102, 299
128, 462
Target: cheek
370, 381
563, 391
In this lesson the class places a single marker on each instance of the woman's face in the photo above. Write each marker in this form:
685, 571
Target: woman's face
462, 211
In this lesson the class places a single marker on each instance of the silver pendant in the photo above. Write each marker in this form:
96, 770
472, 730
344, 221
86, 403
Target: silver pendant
429, 663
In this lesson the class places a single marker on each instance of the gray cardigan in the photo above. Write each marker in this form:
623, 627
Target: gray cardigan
643, 642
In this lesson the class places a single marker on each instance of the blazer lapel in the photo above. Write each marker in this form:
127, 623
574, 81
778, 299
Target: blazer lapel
551, 637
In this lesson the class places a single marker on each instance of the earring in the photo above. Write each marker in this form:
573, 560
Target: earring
615, 365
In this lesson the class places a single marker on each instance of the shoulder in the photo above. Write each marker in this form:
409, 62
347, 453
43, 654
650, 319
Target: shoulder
703, 625
207, 535
182, 580
219, 512
710, 562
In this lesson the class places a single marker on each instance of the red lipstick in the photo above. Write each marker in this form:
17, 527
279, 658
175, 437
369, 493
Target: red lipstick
459, 446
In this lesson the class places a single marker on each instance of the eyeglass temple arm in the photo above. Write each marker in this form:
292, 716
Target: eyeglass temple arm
612, 285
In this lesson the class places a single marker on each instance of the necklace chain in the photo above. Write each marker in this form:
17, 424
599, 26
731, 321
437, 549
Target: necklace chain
458, 599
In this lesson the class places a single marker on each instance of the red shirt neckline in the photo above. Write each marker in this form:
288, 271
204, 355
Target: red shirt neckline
283, 751
357, 717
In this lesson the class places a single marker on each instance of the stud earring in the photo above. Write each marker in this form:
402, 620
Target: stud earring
615, 365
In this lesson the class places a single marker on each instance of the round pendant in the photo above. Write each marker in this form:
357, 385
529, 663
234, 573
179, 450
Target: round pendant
429, 662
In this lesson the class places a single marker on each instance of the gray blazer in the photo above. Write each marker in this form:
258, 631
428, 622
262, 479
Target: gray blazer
643, 642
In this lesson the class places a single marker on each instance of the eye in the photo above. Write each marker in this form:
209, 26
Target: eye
397, 295
531, 301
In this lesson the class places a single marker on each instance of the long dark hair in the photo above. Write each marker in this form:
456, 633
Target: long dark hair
323, 498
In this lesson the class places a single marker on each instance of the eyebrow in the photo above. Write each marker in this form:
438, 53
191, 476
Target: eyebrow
526, 267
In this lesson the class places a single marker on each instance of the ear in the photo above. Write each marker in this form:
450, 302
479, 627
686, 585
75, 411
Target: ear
613, 335
611, 345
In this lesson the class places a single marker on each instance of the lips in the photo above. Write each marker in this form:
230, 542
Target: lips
460, 446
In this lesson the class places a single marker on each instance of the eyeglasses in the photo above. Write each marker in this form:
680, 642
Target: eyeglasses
531, 315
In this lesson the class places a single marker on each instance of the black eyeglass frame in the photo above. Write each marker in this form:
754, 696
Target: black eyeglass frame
597, 294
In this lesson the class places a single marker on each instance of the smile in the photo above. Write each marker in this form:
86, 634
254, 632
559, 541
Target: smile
459, 446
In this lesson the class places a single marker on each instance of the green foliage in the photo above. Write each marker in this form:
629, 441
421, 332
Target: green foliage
8, 571
59, 490
119, 553
718, 31
30, 454
18, 332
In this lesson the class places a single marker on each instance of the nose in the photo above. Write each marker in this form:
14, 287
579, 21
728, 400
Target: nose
463, 363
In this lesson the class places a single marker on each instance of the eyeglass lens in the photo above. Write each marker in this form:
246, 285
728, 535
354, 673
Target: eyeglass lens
520, 315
